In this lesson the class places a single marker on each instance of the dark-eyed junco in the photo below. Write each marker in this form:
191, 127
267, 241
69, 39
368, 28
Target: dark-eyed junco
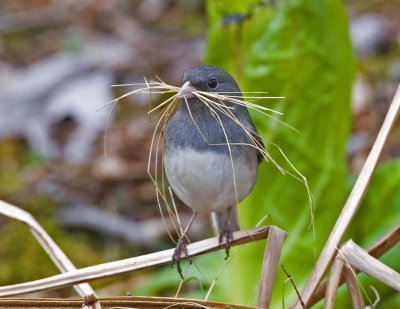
211, 153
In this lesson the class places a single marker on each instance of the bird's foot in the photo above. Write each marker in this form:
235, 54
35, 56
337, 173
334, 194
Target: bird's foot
181, 247
228, 236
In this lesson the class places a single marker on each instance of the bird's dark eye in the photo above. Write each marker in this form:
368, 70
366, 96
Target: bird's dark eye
212, 83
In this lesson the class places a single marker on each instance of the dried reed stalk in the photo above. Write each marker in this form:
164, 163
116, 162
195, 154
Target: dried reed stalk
354, 289
383, 245
131, 264
386, 243
351, 206
125, 302
50, 247
273, 250
333, 283
358, 258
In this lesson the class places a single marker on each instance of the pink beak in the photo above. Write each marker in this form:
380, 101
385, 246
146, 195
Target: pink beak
186, 91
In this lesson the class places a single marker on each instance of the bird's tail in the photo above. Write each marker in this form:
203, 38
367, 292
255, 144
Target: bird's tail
227, 219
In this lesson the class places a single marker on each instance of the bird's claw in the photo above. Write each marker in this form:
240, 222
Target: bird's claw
228, 236
181, 247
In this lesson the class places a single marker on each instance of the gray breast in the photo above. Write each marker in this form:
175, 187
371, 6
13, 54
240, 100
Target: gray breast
205, 180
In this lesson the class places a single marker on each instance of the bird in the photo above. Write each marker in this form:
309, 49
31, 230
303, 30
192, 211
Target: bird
211, 154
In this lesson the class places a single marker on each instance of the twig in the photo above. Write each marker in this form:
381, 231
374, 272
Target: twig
127, 265
295, 287
352, 204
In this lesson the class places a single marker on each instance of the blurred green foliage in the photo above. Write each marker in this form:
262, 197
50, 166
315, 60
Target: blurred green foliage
301, 50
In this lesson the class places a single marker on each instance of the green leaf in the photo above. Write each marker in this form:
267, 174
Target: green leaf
300, 50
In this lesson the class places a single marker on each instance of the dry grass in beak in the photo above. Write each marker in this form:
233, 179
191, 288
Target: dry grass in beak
165, 109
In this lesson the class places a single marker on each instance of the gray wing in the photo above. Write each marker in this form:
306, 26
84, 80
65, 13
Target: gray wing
246, 120
260, 144
256, 140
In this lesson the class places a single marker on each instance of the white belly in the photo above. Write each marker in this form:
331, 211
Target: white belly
204, 181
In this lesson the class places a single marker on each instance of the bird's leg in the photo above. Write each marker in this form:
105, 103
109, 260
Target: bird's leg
226, 222
181, 247
227, 234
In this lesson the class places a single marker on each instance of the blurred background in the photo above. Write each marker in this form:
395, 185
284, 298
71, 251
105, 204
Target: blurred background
336, 63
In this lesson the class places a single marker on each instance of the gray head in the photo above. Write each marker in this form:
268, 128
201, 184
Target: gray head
195, 124
208, 79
